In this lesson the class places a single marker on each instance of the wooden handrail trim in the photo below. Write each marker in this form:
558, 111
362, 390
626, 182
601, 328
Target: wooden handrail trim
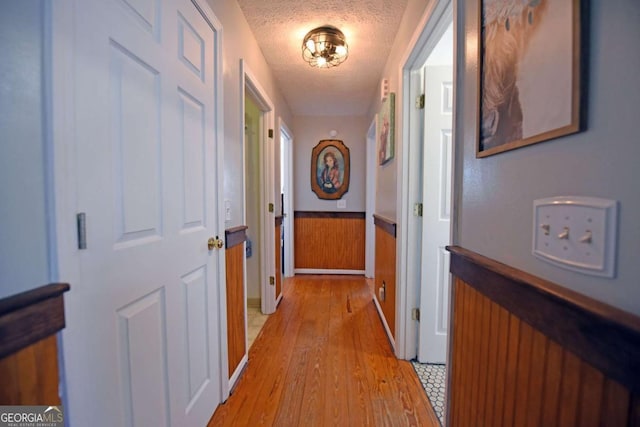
30, 316
329, 214
30, 297
604, 336
385, 224
235, 236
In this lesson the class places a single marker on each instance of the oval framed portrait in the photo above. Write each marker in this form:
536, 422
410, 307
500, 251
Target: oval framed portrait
330, 165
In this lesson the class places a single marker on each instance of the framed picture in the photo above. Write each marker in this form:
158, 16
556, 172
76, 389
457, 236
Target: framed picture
386, 129
330, 165
529, 74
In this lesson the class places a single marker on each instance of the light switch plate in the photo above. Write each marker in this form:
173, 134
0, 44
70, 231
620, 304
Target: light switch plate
342, 204
227, 210
576, 233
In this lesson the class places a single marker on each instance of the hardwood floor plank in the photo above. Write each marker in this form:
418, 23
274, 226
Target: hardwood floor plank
323, 359
247, 410
339, 314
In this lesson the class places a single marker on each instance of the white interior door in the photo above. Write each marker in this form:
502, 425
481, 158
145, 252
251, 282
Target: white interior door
286, 180
435, 277
143, 341
372, 164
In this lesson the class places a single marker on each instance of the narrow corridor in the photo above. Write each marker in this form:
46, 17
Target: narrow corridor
323, 359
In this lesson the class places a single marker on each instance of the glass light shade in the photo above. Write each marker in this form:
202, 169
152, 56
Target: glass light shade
311, 45
324, 47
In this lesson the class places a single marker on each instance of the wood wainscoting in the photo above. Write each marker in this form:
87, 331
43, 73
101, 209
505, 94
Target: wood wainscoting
329, 242
236, 303
278, 252
29, 322
527, 352
385, 273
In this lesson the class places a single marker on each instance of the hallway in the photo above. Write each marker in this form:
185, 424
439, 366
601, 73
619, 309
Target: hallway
323, 359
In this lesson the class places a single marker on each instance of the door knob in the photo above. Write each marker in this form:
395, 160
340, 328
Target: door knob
214, 243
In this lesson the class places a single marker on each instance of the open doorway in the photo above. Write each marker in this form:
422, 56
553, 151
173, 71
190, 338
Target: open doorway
428, 165
437, 165
286, 192
372, 167
253, 177
427, 210
259, 200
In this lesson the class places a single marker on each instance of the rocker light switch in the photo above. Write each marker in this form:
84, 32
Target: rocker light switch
576, 233
227, 210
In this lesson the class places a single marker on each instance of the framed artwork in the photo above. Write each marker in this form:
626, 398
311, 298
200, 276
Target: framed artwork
330, 167
529, 75
386, 129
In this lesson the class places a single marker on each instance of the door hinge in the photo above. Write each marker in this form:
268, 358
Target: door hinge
417, 209
81, 222
420, 102
415, 314
271, 209
270, 133
272, 280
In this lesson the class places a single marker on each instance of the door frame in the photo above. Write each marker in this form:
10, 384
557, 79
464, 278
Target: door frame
250, 86
60, 109
423, 41
288, 208
372, 167
431, 344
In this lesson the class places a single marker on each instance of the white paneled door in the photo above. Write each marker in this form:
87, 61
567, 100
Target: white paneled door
437, 164
143, 341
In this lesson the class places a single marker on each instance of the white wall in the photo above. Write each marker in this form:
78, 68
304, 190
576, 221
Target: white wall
239, 42
495, 204
387, 194
308, 132
23, 216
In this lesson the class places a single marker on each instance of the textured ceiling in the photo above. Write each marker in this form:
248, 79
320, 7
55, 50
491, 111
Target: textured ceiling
370, 26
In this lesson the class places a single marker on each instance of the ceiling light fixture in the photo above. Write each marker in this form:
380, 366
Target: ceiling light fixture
324, 47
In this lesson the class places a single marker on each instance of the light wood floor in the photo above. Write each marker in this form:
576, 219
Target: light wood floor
323, 359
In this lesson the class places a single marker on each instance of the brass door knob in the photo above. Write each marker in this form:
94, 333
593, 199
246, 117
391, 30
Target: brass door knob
214, 243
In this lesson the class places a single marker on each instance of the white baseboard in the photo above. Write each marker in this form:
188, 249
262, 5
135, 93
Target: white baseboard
385, 324
236, 374
327, 271
253, 302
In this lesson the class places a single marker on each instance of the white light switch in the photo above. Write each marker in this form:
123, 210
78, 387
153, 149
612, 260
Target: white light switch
342, 204
227, 210
576, 233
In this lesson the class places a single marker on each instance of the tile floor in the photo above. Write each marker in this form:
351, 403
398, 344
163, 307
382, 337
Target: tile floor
255, 321
433, 380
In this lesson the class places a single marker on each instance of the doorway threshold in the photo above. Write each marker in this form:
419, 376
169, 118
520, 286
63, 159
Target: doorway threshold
433, 379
